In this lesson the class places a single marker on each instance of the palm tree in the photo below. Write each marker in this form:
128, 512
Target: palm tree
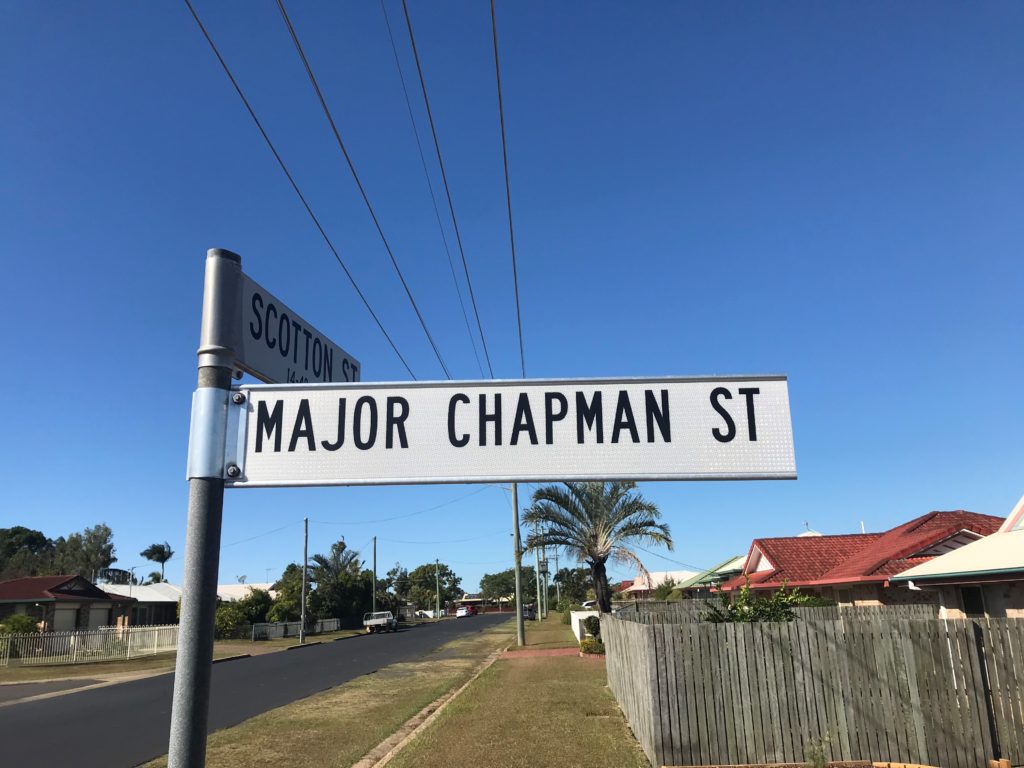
158, 553
339, 562
596, 522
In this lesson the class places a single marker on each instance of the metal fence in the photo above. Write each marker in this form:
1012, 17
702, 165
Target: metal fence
107, 644
267, 631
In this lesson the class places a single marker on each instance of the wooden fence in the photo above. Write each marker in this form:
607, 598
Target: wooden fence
946, 693
683, 610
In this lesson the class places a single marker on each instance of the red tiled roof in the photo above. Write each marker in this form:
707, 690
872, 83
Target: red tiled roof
48, 588
904, 540
860, 557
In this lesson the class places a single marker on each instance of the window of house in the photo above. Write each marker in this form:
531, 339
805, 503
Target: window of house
974, 603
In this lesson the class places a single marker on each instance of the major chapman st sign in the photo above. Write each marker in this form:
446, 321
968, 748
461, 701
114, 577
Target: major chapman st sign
722, 428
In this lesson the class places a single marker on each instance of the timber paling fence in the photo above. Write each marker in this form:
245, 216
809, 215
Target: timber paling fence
108, 644
675, 611
930, 692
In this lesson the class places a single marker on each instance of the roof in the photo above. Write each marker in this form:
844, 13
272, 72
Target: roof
64, 588
231, 592
710, 575
1000, 554
146, 593
653, 579
860, 557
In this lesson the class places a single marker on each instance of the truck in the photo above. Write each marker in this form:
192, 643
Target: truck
381, 621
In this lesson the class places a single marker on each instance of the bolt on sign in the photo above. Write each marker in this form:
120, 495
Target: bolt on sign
704, 428
276, 345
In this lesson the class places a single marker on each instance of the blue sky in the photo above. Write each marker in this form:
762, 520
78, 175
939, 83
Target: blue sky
831, 191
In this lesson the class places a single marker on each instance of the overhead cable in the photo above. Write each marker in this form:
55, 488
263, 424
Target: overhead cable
447, 190
430, 186
295, 186
359, 183
508, 193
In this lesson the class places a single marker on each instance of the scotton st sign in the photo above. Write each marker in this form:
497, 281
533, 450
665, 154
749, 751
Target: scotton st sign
703, 428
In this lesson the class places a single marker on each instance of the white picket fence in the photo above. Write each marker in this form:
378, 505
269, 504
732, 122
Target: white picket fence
107, 644
267, 631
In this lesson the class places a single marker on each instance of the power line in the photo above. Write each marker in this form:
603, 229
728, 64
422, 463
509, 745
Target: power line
669, 559
447, 190
295, 186
449, 541
402, 517
430, 185
508, 193
260, 535
359, 183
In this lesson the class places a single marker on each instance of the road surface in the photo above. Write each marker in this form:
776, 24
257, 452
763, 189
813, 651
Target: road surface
127, 724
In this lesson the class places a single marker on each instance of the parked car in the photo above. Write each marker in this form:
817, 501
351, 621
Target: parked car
528, 613
465, 610
381, 621
590, 603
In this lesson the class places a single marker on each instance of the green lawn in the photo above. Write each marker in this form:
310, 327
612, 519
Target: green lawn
337, 727
531, 712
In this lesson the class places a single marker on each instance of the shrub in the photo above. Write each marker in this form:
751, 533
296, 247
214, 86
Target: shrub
592, 645
18, 624
815, 750
566, 614
592, 625
230, 616
746, 607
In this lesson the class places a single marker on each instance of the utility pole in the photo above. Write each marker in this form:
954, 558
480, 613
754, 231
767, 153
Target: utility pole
305, 559
536, 560
374, 601
437, 589
520, 630
544, 559
558, 586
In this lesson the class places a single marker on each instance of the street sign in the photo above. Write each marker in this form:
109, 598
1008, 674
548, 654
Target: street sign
278, 346
708, 428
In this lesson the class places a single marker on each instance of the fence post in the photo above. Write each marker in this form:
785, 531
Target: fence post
131, 631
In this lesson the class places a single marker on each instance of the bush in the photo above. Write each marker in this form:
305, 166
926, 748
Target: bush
230, 616
746, 607
18, 624
566, 613
592, 626
592, 645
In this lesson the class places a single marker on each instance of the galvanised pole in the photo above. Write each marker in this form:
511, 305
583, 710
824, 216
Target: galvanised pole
194, 665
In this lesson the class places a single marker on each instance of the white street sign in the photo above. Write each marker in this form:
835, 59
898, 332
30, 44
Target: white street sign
708, 428
277, 345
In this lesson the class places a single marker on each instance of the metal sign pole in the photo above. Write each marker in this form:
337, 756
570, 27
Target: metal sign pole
193, 669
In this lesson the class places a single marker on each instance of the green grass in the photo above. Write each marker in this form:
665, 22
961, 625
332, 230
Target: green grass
150, 664
549, 633
537, 712
337, 727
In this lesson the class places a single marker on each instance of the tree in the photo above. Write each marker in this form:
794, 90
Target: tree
24, 552
155, 577
746, 607
158, 553
422, 583
343, 586
288, 603
596, 522
663, 590
574, 584
85, 553
502, 585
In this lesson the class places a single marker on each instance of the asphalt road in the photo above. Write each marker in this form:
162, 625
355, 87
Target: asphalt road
128, 724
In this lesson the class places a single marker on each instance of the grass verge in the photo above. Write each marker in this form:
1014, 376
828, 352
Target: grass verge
560, 703
339, 726
149, 664
549, 633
